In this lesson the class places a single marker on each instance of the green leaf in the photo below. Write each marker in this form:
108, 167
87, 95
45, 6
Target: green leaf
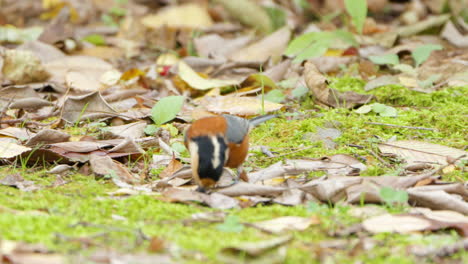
315, 50
231, 224
151, 130
391, 196
277, 17
178, 147
422, 53
364, 109
378, 108
429, 81
275, 96
167, 109
95, 39
300, 91
300, 43
357, 9
405, 68
385, 59
346, 36
389, 112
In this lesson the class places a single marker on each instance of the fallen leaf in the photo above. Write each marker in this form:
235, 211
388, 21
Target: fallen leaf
413, 151
266, 251
107, 167
88, 106
381, 81
286, 223
242, 106
249, 13
82, 73
429, 22
177, 16
21, 67
318, 84
16, 180
131, 130
197, 82
10, 149
270, 47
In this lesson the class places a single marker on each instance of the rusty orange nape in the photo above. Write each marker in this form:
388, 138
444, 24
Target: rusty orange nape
212, 125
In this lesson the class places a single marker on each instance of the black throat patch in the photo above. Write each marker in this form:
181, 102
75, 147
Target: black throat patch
211, 156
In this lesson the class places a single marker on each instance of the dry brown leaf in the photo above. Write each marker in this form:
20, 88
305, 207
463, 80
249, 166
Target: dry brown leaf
214, 46
267, 251
11, 149
396, 223
413, 151
179, 16
132, 130
21, 66
244, 188
47, 136
249, 13
318, 84
43, 51
22, 253
242, 106
173, 166
82, 73
286, 223
332, 190
16, 180
88, 106
437, 200
105, 166
272, 46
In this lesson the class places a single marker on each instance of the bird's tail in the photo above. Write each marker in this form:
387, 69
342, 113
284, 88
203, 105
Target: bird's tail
260, 119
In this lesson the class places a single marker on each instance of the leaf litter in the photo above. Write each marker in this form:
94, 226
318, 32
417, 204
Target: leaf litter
64, 101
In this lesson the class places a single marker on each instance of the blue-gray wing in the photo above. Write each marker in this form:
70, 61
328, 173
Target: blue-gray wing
238, 127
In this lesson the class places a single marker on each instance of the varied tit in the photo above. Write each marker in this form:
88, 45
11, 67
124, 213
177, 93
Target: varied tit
218, 141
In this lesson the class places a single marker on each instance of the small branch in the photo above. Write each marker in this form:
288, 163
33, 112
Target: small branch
409, 127
384, 162
27, 121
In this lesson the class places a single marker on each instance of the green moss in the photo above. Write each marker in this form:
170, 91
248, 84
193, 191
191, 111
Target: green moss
83, 208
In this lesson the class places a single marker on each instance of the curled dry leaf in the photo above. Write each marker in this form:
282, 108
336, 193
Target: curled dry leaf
47, 136
267, 251
417, 222
413, 151
131, 130
318, 84
89, 106
286, 223
20, 67
272, 46
105, 166
82, 73
244, 188
11, 149
197, 82
249, 13
179, 16
242, 106
451, 33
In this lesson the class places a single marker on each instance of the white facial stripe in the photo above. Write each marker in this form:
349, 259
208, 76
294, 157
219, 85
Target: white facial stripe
193, 147
215, 160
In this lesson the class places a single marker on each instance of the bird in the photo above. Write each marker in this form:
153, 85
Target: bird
216, 142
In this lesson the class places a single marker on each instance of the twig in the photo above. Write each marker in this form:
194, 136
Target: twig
28, 122
392, 125
295, 151
379, 158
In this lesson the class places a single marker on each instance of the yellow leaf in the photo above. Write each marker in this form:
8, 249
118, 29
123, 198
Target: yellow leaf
188, 15
197, 82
